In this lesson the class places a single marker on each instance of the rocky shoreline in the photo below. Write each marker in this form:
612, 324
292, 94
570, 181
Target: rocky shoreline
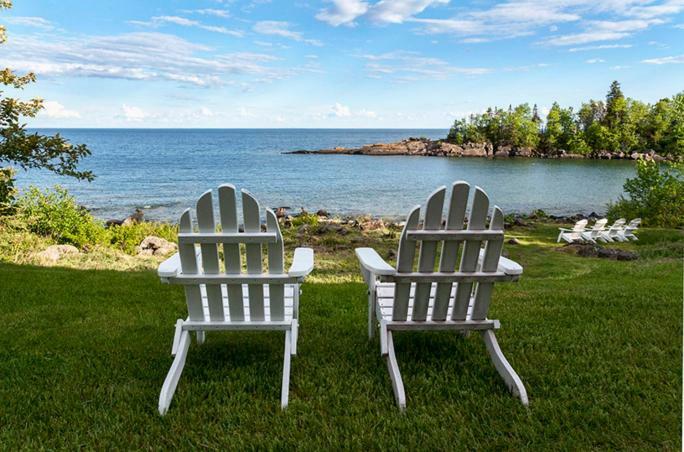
439, 148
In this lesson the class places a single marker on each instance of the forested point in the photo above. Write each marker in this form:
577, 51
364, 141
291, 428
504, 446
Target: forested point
618, 124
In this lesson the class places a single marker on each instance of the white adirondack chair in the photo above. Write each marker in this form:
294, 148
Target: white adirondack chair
614, 232
406, 298
630, 229
572, 235
595, 233
231, 300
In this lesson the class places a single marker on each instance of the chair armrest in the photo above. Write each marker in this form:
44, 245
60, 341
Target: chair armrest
506, 265
567, 230
509, 267
170, 267
302, 262
371, 261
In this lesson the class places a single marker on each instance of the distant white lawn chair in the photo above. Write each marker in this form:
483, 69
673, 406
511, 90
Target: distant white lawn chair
573, 235
448, 299
614, 232
231, 300
595, 233
630, 229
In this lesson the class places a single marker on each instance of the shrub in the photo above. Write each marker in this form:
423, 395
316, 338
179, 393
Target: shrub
656, 195
305, 218
55, 214
7, 191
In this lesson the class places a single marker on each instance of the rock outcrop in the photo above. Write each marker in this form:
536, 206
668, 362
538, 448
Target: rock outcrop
439, 148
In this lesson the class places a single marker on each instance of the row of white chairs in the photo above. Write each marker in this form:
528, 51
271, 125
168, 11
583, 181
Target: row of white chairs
617, 232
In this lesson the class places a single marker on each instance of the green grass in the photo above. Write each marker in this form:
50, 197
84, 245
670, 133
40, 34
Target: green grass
597, 343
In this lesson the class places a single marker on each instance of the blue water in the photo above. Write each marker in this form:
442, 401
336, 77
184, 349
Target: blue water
164, 171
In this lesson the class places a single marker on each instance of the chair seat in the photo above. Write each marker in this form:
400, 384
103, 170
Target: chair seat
288, 299
385, 299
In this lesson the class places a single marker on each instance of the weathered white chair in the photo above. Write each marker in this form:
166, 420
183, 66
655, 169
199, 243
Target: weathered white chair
595, 233
405, 298
572, 235
224, 298
630, 229
614, 231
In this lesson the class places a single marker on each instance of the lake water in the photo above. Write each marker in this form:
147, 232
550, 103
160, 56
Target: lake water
164, 171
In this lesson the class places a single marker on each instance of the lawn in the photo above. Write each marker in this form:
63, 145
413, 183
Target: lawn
598, 344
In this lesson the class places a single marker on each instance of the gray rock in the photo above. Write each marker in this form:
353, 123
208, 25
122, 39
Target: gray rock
53, 253
155, 246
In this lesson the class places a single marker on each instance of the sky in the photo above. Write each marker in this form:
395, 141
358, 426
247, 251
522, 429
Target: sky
333, 63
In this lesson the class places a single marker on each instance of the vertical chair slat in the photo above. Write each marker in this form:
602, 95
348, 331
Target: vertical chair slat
210, 259
449, 254
407, 252
231, 251
426, 257
188, 259
471, 253
250, 209
490, 262
275, 265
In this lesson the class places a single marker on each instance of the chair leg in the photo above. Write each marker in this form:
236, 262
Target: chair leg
295, 335
297, 293
395, 375
285, 390
171, 381
201, 336
371, 315
513, 381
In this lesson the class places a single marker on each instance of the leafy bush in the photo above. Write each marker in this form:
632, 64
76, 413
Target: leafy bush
656, 195
7, 190
127, 237
55, 214
305, 218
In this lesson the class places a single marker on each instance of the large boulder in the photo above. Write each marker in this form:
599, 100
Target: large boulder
53, 253
155, 246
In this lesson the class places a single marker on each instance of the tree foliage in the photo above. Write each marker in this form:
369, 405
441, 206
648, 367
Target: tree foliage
32, 150
616, 124
656, 195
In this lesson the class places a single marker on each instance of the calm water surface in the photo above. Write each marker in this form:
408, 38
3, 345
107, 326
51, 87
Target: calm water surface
164, 171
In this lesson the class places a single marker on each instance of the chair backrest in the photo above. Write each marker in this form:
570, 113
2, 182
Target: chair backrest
580, 226
450, 238
600, 225
206, 278
634, 223
619, 223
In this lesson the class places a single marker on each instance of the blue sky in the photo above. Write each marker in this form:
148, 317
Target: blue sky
341, 63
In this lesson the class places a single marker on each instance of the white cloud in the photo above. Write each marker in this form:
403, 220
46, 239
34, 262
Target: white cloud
209, 12
680, 26
595, 60
53, 109
679, 59
408, 66
138, 56
343, 12
206, 112
600, 47
158, 21
30, 21
340, 111
282, 29
619, 67
133, 114
397, 11
604, 30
